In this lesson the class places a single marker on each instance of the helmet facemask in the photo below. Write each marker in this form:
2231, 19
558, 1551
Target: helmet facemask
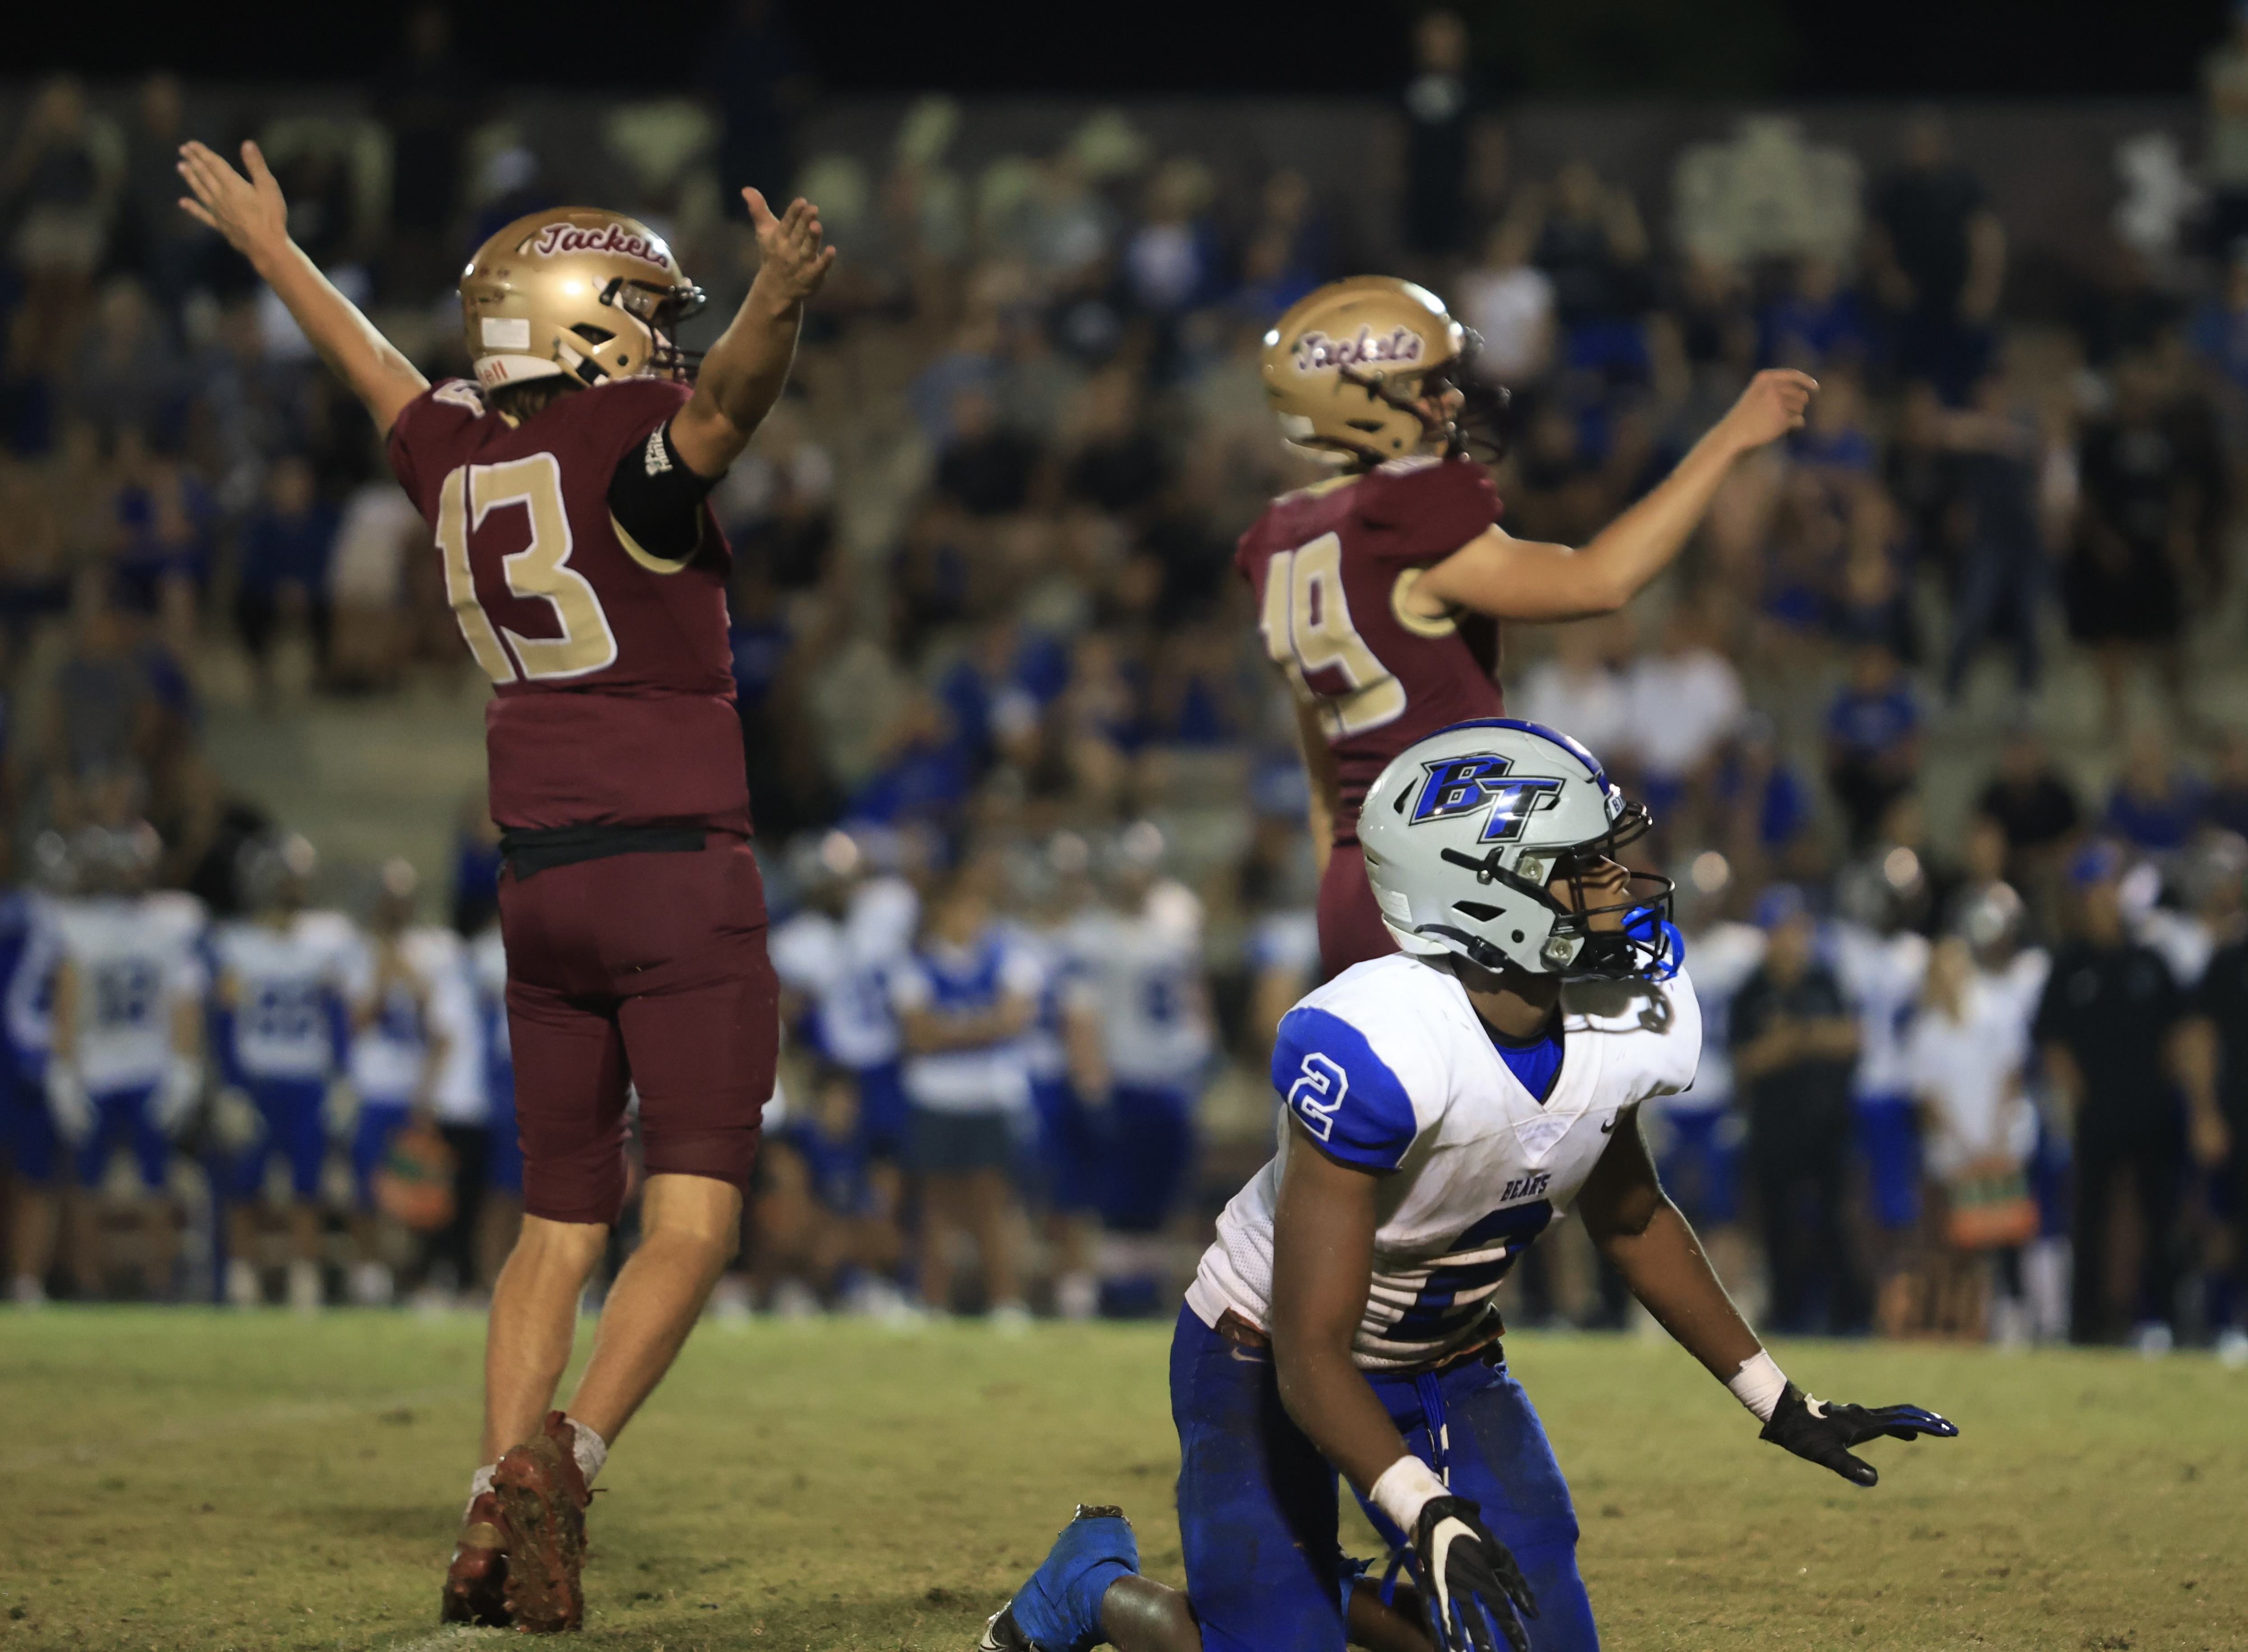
656, 313
1630, 938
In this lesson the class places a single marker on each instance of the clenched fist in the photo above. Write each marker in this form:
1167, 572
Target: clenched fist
1769, 407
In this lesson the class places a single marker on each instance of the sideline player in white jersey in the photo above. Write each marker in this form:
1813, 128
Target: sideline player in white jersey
1140, 975
396, 1057
1442, 1104
831, 956
124, 1062
1882, 965
285, 982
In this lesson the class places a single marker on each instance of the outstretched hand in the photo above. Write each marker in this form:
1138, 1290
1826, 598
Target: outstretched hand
1822, 1431
1771, 406
248, 211
791, 262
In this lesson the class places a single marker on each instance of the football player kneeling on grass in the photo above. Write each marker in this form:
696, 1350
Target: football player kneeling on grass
1444, 1104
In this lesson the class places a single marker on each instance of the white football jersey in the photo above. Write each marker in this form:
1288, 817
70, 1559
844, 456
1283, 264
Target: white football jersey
440, 959
1881, 976
841, 967
387, 1055
1141, 974
1389, 1067
488, 969
1061, 961
136, 960
29, 997
288, 986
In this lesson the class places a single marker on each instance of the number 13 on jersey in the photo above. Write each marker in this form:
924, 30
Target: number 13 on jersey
541, 572
1307, 630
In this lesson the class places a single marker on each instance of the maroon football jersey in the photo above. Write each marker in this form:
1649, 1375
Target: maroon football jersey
1331, 564
612, 681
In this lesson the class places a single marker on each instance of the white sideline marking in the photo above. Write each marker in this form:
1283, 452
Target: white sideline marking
236, 1422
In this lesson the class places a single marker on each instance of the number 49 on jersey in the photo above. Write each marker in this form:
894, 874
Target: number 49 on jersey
1307, 630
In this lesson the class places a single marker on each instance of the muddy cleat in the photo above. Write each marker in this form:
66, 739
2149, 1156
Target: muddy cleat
542, 1498
1000, 1634
1059, 1609
475, 1583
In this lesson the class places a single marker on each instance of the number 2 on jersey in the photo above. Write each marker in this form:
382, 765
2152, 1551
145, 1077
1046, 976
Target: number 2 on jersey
541, 570
1307, 629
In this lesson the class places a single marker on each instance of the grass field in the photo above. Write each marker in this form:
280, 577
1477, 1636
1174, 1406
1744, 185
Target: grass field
179, 1480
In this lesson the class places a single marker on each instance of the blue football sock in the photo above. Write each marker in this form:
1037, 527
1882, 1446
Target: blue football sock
1060, 1608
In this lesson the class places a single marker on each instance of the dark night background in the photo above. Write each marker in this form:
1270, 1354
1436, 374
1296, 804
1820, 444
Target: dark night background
2002, 48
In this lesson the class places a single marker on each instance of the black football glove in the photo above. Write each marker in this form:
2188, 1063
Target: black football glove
1469, 1582
1822, 1432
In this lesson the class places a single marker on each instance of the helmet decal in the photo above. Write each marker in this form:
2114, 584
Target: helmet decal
1316, 350
570, 237
1458, 786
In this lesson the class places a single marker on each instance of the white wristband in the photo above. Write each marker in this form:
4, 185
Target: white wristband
1759, 1385
1405, 1487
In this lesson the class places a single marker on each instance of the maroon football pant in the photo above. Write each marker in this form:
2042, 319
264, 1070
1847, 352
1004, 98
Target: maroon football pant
647, 969
1350, 930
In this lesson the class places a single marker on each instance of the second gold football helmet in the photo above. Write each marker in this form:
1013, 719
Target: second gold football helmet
1347, 364
575, 293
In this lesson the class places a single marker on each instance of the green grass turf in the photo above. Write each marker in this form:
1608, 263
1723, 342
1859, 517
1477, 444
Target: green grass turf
180, 1479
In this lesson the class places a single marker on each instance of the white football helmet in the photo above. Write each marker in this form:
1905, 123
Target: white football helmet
1464, 830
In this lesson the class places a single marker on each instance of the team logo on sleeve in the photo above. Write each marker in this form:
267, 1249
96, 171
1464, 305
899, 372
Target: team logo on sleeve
1316, 1097
1457, 787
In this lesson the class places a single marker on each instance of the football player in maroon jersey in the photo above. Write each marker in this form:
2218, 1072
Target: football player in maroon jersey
1379, 590
567, 489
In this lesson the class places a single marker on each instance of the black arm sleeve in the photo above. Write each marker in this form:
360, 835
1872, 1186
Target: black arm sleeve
657, 500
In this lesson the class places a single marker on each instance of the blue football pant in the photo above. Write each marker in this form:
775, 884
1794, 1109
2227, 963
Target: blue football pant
296, 1127
1258, 1504
378, 1122
123, 1118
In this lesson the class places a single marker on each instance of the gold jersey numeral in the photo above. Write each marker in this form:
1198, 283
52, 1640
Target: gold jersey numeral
1307, 629
539, 571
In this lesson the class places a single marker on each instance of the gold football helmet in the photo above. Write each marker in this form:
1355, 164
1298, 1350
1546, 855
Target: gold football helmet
1346, 366
575, 293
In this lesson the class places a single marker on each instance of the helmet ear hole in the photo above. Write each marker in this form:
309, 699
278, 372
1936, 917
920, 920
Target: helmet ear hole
1481, 914
593, 335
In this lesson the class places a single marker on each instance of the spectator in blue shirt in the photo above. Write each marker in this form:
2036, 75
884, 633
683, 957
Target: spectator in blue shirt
2157, 806
1872, 740
1765, 806
1818, 324
285, 547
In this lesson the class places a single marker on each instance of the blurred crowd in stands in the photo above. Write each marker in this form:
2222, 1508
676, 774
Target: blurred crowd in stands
1002, 696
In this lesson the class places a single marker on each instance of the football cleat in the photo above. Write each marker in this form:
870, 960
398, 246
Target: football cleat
542, 1496
1059, 1608
1000, 1634
476, 1582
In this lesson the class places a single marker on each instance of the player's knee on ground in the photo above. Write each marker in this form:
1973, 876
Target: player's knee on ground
1390, 1626
1139, 1614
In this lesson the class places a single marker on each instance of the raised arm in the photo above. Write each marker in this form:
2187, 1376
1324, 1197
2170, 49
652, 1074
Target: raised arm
742, 376
1511, 579
254, 219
